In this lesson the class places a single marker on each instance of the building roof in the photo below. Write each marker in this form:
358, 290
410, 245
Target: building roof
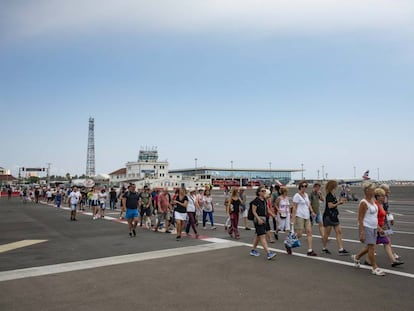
121, 171
227, 169
4, 177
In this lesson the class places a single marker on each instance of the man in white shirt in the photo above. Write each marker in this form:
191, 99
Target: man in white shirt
74, 198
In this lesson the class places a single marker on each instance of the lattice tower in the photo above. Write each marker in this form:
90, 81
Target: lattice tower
90, 161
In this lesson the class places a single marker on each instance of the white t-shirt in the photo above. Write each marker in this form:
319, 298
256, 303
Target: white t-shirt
208, 204
191, 203
74, 197
284, 208
302, 210
102, 197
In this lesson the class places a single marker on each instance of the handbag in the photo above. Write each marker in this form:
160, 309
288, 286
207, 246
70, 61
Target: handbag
382, 239
292, 240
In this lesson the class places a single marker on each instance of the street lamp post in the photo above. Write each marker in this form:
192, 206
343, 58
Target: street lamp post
270, 171
302, 170
354, 171
323, 171
378, 174
48, 174
195, 167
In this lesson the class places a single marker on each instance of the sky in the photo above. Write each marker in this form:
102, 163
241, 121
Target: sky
260, 84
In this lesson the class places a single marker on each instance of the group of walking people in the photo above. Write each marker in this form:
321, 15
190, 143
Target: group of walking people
183, 208
374, 220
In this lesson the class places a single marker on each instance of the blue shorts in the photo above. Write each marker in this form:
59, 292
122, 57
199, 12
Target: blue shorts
131, 213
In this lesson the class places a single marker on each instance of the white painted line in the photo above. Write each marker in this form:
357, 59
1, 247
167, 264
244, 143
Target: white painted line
351, 212
401, 232
109, 261
19, 244
339, 262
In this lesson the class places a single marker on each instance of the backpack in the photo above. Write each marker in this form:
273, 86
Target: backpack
250, 215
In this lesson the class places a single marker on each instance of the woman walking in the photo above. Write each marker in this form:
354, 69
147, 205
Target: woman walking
382, 238
192, 208
180, 211
233, 210
208, 208
368, 225
301, 213
330, 218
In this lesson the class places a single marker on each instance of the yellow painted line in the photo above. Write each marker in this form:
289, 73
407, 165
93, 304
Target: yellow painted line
19, 244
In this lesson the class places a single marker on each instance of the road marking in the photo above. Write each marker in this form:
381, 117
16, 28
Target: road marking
116, 260
352, 212
19, 244
339, 262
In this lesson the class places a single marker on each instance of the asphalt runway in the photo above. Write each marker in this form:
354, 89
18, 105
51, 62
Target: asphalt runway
56, 264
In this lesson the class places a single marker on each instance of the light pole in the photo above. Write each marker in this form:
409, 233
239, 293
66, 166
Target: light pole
195, 167
231, 165
270, 171
378, 173
318, 173
323, 172
48, 174
302, 170
354, 171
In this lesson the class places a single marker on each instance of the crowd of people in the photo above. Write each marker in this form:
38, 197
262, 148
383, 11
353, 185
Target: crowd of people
374, 219
181, 211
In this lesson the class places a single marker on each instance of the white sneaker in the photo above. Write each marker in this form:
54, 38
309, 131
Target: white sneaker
357, 263
378, 271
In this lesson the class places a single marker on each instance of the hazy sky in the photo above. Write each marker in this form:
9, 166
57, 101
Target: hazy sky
288, 82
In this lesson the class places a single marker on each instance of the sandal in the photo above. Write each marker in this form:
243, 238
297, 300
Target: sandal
378, 271
357, 263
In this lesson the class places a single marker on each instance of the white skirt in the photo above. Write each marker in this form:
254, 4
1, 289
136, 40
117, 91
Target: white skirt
180, 216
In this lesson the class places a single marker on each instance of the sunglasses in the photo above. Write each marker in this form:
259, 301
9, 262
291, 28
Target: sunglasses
304, 186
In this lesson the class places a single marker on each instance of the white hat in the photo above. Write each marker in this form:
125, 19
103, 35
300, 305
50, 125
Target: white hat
191, 189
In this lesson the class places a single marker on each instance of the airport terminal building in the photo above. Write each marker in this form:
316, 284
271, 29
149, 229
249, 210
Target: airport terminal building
237, 176
148, 170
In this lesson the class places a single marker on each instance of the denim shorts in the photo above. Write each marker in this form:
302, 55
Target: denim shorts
317, 219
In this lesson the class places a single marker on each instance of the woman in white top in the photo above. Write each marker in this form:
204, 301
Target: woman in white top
368, 226
192, 207
102, 202
283, 211
208, 208
301, 213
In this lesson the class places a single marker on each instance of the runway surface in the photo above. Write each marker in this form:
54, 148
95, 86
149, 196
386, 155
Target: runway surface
48, 262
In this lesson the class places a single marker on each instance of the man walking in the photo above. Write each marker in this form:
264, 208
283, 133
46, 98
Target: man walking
74, 198
131, 200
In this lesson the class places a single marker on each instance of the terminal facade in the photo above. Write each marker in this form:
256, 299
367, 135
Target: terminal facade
148, 170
